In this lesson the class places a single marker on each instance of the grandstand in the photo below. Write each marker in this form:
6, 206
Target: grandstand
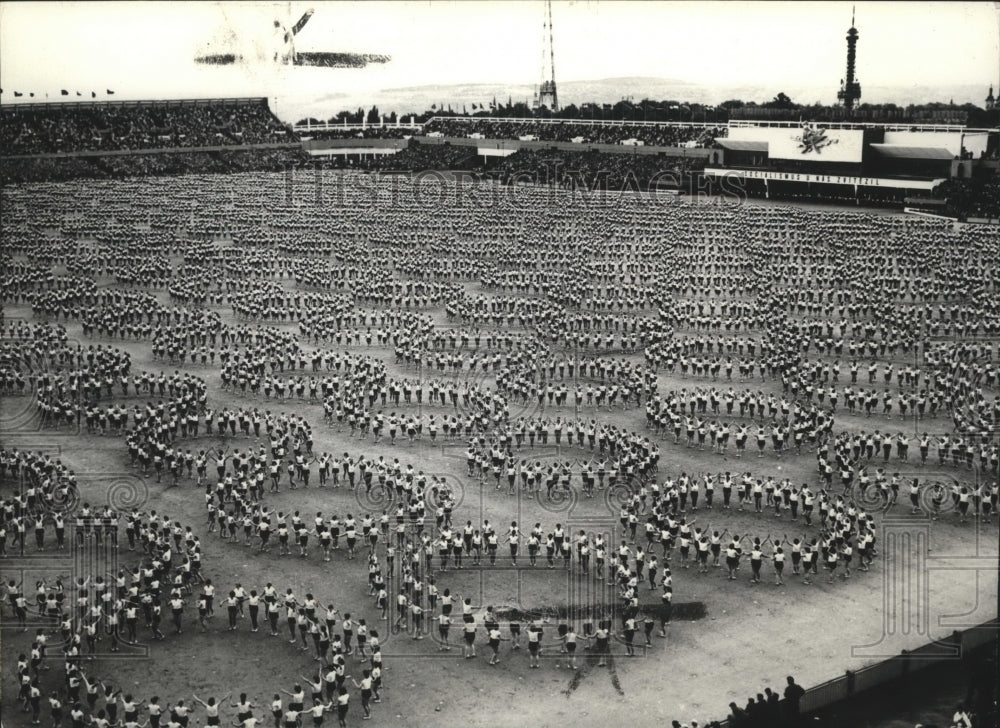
894, 150
138, 126
139, 138
131, 138
627, 133
895, 164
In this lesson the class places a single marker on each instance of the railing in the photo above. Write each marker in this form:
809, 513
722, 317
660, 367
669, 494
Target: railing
43, 106
333, 126
897, 126
325, 126
710, 124
157, 150
853, 682
578, 122
732, 123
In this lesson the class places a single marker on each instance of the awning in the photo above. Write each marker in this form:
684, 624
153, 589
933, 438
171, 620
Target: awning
834, 179
735, 145
898, 151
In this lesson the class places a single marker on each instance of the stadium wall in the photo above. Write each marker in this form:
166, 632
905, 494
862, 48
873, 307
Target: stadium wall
353, 145
156, 150
822, 702
490, 147
503, 147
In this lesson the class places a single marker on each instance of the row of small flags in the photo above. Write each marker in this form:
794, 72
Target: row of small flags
482, 106
62, 92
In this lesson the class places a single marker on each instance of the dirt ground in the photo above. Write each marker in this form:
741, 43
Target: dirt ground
941, 576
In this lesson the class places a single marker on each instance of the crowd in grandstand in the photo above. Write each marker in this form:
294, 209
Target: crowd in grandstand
120, 166
661, 135
425, 157
30, 133
977, 197
132, 126
614, 172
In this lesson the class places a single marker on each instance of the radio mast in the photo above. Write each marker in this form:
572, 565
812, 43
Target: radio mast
850, 89
546, 94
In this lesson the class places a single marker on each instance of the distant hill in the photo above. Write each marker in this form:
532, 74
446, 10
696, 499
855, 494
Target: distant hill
407, 99
610, 90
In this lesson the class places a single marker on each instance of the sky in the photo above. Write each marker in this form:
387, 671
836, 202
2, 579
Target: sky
146, 50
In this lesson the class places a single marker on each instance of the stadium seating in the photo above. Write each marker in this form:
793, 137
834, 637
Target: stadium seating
38, 169
417, 157
86, 140
660, 135
971, 197
55, 128
614, 171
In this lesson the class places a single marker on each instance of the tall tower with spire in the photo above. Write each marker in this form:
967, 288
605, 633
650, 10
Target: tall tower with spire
546, 94
991, 102
850, 88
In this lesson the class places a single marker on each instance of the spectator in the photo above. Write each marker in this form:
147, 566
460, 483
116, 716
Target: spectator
737, 716
793, 696
961, 719
773, 707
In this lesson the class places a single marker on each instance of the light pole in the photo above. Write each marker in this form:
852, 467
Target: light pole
996, 6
